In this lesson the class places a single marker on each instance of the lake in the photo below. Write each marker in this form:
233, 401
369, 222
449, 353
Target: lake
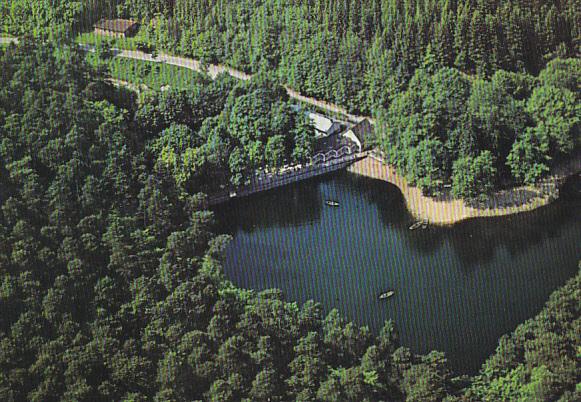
457, 289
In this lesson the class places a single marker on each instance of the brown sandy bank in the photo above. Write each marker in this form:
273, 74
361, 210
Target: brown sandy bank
445, 210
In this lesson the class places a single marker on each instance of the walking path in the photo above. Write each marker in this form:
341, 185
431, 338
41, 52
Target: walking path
5, 40
213, 70
437, 211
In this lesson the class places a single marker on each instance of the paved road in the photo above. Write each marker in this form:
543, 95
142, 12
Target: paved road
8, 40
214, 70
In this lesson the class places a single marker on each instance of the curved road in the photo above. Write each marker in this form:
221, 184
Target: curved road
214, 70
5, 40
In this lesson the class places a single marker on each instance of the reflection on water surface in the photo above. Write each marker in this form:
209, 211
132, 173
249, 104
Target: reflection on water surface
458, 289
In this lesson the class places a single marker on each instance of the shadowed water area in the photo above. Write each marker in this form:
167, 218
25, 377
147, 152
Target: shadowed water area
457, 289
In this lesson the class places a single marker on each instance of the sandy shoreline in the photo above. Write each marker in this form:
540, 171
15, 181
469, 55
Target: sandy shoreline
445, 212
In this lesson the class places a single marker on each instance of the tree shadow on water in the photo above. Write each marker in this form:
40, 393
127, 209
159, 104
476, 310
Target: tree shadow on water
291, 205
477, 241
385, 196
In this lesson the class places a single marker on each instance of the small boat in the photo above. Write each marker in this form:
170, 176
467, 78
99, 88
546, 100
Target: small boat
419, 224
416, 225
332, 203
386, 295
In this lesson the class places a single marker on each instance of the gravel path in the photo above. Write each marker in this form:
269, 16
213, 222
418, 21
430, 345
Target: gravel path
214, 70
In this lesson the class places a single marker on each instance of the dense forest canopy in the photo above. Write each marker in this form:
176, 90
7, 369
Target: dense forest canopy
354, 53
111, 280
478, 133
359, 53
525, 366
474, 94
111, 276
224, 131
110, 269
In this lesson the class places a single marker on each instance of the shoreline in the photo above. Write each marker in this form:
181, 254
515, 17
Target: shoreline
448, 211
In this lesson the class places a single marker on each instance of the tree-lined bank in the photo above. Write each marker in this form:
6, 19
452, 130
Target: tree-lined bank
111, 269
102, 245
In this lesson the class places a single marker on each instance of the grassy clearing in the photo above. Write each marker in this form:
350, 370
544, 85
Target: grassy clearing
151, 74
91, 38
139, 72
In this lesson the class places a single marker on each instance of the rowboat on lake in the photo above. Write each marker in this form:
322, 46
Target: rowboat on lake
419, 224
386, 295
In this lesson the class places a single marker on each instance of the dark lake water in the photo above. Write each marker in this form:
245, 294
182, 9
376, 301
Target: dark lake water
458, 289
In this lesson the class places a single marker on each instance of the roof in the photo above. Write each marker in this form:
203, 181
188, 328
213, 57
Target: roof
321, 123
117, 25
325, 144
363, 131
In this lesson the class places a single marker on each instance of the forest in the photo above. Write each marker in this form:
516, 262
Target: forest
110, 267
356, 54
111, 280
476, 134
112, 287
475, 95
222, 132
359, 54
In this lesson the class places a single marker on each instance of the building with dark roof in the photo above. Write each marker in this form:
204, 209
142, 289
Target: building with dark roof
118, 27
361, 134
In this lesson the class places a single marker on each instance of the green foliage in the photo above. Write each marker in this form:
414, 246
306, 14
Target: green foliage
473, 176
427, 380
266, 387
424, 165
125, 43
222, 131
263, 129
528, 160
144, 9
517, 85
352, 53
352, 384
274, 151
44, 19
557, 112
111, 279
415, 132
539, 360
445, 128
494, 116
344, 52
111, 275
153, 75
562, 73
